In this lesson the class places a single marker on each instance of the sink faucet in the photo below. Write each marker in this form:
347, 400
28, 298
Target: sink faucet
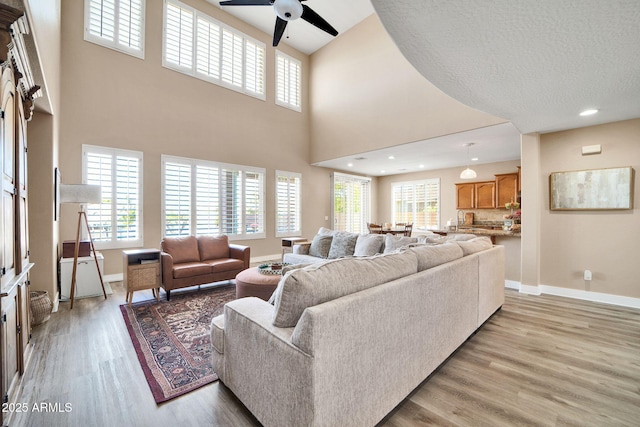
458, 222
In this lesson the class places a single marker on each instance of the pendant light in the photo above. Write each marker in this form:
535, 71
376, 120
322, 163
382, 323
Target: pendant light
468, 173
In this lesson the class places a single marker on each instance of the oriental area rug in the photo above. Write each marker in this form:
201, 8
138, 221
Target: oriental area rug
172, 339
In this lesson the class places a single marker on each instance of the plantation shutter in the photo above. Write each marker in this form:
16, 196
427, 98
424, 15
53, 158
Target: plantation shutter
179, 36
127, 203
99, 171
254, 67
253, 202
417, 202
177, 199
207, 200
351, 203
208, 49
232, 55
102, 19
230, 200
288, 81
288, 204
131, 17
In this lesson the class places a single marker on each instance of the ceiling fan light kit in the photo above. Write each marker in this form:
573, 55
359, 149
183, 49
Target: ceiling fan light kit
287, 10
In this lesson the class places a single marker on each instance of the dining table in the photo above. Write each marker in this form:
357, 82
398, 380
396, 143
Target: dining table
392, 230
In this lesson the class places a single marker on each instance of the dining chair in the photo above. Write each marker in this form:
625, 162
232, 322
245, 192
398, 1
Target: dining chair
407, 229
374, 228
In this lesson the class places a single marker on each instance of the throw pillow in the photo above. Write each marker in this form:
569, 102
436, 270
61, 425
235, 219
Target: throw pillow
320, 246
430, 256
368, 244
392, 243
342, 245
325, 231
474, 245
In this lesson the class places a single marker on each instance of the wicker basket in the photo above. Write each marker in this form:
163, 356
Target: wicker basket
41, 307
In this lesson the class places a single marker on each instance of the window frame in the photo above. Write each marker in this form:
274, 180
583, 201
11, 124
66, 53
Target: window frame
192, 69
193, 163
287, 103
115, 43
366, 215
298, 204
417, 227
114, 243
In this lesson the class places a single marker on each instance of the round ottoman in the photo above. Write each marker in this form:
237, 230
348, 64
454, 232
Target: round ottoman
250, 283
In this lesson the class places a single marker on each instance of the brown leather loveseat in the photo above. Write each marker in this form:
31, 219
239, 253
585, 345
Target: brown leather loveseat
189, 261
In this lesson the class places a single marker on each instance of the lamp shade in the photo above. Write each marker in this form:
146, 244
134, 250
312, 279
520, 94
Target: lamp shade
468, 173
80, 193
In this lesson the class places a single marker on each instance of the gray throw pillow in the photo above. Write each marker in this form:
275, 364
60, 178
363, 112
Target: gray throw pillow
343, 244
392, 243
368, 244
320, 246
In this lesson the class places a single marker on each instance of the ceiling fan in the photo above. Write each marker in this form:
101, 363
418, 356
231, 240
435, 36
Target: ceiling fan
286, 10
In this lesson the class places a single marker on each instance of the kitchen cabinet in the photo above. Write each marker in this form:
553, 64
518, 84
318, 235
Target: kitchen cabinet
506, 189
485, 194
465, 196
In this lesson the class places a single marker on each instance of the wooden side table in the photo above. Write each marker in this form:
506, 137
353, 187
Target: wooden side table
142, 270
288, 242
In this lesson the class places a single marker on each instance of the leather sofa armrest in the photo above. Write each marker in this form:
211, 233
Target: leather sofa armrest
240, 252
167, 268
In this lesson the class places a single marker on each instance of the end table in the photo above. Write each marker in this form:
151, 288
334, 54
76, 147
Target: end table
142, 270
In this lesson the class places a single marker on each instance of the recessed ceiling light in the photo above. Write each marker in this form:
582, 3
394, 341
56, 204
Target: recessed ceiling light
391, 157
382, 171
350, 164
421, 166
474, 159
588, 112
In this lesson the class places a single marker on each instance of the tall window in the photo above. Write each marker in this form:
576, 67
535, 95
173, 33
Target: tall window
198, 45
351, 202
116, 24
288, 205
201, 197
288, 81
417, 202
117, 221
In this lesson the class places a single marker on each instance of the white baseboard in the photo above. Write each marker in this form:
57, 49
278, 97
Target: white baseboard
574, 293
113, 277
266, 258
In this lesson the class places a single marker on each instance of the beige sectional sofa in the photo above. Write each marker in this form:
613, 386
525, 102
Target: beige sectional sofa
348, 339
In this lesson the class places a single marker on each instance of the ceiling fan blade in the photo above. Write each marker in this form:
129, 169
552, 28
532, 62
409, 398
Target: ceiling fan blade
281, 24
246, 3
313, 18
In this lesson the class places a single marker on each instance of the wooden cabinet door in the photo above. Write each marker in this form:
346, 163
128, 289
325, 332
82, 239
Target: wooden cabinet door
10, 345
506, 189
485, 195
7, 144
465, 196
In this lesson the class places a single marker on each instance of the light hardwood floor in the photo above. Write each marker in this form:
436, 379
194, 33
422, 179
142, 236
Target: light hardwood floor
541, 360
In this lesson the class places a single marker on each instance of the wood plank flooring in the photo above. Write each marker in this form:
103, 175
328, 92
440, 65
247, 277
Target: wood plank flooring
540, 361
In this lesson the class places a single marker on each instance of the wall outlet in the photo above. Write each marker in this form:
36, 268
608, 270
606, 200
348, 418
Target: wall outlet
326, 217
587, 275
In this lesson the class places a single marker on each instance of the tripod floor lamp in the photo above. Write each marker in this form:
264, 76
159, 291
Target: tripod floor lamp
82, 194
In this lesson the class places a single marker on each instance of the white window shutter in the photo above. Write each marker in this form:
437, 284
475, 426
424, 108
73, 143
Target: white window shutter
179, 36
177, 199
288, 204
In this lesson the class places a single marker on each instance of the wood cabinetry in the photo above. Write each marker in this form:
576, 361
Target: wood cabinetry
476, 195
485, 193
17, 93
506, 189
465, 196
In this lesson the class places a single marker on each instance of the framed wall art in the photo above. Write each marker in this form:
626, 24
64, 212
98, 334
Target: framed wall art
592, 189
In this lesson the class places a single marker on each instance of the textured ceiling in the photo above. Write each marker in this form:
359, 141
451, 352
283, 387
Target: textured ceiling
536, 63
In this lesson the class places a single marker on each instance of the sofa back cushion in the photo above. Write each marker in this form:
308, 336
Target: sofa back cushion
393, 243
319, 283
369, 244
320, 245
213, 247
181, 249
474, 245
342, 244
430, 256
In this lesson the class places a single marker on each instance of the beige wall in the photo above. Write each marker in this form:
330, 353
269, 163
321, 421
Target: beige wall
605, 242
115, 100
365, 95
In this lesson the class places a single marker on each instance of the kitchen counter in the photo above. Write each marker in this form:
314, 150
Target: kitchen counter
480, 231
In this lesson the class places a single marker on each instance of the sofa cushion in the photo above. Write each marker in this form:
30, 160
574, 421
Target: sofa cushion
430, 256
342, 244
323, 231
333, 279
320, 246
368, 244
474, 245
181, 249
190, 269
392, 243
225, 264
213, 247
432, 238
